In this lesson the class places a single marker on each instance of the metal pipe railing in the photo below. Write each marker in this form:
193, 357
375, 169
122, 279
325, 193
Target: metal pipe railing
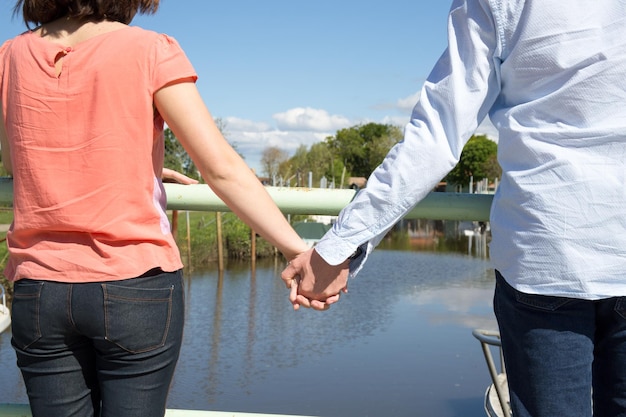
314, 201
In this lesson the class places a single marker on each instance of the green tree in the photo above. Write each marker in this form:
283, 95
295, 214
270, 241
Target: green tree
293, 168
477, 161
3, 171
176, 157
362, 148
379, 148
323, 163
271, 160
318, 160
222, 125
492, 167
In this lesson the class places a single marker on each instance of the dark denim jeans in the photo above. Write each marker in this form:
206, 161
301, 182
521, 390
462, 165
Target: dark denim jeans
560, 352
99, 349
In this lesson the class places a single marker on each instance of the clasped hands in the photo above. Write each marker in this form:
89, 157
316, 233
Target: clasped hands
314, 283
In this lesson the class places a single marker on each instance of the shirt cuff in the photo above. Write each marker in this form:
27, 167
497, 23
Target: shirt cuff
335, 251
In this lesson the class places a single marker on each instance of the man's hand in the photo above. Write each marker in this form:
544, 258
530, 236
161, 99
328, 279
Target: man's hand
313, 282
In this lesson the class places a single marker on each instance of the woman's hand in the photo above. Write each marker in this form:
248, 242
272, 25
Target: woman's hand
169, 175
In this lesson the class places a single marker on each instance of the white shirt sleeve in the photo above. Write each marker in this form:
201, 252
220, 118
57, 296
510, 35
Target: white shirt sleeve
456, 97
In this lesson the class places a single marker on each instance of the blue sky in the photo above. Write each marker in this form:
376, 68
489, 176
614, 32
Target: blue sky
287, 73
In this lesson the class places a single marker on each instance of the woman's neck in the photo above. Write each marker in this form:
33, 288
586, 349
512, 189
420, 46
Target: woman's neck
69, 31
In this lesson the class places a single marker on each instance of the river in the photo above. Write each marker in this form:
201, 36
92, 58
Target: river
398, 344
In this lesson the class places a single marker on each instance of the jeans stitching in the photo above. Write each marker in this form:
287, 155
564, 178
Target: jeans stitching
163, 340
169, 315
68, 305
619, 307
37, 297
106, 315
541, 302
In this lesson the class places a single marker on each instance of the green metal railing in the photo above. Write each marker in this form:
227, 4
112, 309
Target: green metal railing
314, 201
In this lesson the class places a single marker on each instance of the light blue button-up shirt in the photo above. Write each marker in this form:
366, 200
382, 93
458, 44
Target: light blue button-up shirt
551, 75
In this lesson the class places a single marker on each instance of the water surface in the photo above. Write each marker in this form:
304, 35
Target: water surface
398, 344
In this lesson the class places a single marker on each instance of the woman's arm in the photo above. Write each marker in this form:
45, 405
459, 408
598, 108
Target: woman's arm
222, 168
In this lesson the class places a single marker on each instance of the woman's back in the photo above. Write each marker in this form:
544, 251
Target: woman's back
87, 150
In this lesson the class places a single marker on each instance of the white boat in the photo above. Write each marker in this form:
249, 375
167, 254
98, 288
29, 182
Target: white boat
497, 403
5, 314
22, 410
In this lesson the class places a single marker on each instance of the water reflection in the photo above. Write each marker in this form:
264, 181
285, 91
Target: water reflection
468, 237
398, 344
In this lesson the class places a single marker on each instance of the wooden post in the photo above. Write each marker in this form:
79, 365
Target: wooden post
174, 225
188, 240
253, 247
220, 243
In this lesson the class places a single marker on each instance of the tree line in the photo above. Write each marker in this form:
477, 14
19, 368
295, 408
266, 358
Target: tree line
352, 152
356, 151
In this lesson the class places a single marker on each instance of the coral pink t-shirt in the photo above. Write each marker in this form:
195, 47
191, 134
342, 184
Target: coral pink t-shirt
87, 154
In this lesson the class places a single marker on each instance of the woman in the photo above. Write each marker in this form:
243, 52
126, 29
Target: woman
98, 307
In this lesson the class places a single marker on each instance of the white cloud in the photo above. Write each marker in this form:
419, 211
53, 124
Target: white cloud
405, 107
285, 140
402, 106
294, 128
309, 119
235, 124
488, 129
252, 138
470, 307
406, 104
305, 126
400, 121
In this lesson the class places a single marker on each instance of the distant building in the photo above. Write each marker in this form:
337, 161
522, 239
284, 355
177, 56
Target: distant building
311, 232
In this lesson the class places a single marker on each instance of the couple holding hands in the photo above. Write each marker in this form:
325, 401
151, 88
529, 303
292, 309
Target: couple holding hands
98, 308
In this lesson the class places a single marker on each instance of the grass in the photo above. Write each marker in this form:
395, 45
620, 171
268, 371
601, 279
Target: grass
203, 243
6, 215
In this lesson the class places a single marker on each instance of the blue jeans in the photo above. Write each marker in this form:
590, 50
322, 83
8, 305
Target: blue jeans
560, 352
99, 349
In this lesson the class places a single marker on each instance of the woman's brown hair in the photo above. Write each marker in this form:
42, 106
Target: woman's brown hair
45, 11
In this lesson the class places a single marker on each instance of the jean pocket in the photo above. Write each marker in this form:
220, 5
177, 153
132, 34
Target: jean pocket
137, 319
26, 328
541, 302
